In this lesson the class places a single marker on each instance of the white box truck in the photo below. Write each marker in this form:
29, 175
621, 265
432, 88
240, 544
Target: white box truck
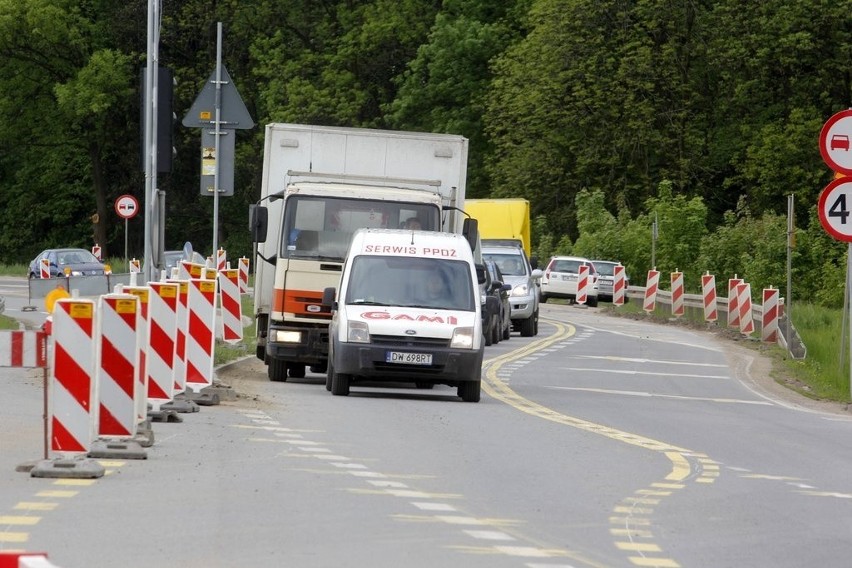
320, 184
408, 310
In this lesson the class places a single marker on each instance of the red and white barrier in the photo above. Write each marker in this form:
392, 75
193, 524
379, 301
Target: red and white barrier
17, 559
117, 359
244, 275
189, 270
733, 302
23, 349
135, 266
708, 290
182, 321
72, 386
771, 313
96, 250
744, 302
582, 284
221, 259
652, 284
144, 295
44, 268
677, 293
201, 334
232, 311
162, 340
619, 285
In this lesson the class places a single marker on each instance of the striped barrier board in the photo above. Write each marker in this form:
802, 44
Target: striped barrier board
770, 315
221, 259
201, 333
23, 349
44, 268
188, 270
244, 274
744, 303
144, 295
162, 341
71, 386
232, 312
582, 284
182, 318
651, 286
708, 293
118, 351
619, 285
677, 293
733, 302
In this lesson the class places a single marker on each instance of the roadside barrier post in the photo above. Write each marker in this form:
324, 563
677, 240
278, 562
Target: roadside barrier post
244, 274
72, 392
677, 293
733, 302
44, 268
651, 286
708, 289
144, 433
162, 341
201, 336
744, 302
232, 313
221, 259
582, 284
619, 287
770, 314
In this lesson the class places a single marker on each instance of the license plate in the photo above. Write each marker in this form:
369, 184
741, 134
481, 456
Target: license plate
408, 358
569, 277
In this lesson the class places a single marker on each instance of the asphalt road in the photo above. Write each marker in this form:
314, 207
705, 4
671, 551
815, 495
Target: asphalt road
601, 442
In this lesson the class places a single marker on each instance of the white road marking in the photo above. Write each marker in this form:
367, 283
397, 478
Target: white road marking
660, 361
654, 374
677, 397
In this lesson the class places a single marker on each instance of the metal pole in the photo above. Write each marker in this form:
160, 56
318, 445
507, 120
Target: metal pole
126, 259
788, 304
149, 135
217, 134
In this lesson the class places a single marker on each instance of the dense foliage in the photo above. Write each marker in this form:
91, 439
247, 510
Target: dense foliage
606, 114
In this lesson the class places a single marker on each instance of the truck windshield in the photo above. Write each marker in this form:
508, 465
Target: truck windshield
411, 282
321, 228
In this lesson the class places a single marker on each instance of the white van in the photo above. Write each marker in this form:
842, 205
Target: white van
408, 309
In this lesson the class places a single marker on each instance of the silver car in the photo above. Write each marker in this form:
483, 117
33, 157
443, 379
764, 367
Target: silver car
606, 278
523, 298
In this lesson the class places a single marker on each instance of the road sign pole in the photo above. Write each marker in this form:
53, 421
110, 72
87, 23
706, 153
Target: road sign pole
125, 246
218, 105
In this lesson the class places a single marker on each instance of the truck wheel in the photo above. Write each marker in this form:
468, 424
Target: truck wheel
469, 391
296, 370
340, 384
276, 370
528, 326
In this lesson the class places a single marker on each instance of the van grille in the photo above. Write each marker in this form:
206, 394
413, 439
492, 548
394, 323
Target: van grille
397, 341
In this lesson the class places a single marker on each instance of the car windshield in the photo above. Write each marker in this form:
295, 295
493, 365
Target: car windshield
76, 257
411, 282
567, 265
510, 264
605, 268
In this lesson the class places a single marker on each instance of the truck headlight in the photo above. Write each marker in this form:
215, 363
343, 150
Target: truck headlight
284, 336
462, 338
357, 332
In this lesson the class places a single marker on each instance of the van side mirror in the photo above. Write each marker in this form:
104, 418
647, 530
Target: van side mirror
328, 295
470, 231
480, 273
258, 223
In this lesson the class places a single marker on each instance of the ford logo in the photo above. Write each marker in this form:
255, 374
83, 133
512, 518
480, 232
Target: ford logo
313, 308
410, 332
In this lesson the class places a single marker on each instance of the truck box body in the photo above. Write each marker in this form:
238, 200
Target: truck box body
319, 185
502, 219
408, 309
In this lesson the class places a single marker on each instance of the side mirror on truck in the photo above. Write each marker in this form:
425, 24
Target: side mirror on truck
470, 231
258, 223
328, 295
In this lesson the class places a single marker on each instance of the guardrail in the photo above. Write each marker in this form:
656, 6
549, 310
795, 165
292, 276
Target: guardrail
695, 302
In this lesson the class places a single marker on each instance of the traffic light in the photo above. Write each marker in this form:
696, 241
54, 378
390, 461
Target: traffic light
166, 119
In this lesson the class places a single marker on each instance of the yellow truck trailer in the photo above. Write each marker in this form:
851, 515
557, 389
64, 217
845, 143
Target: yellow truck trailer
502, 219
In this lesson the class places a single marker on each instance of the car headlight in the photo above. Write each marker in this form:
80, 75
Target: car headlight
521, 290
357, 332
462, 338
284, 336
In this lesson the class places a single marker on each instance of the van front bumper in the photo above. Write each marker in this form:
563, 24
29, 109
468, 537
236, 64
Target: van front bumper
449, 366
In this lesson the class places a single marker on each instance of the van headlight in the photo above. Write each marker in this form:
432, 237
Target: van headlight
462, 338
357, 332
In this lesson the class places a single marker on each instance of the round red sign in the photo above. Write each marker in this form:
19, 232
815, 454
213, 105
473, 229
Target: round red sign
126, 206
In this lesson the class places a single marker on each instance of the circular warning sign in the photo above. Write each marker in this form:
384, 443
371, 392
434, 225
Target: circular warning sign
126, 206
835, 209
835, 142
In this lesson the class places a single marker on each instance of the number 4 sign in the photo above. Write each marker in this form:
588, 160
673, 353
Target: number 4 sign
835, 209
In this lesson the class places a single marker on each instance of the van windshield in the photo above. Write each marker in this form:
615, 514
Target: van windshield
321, 228
411, 282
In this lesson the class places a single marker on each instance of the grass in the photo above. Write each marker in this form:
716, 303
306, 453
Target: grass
820, 375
